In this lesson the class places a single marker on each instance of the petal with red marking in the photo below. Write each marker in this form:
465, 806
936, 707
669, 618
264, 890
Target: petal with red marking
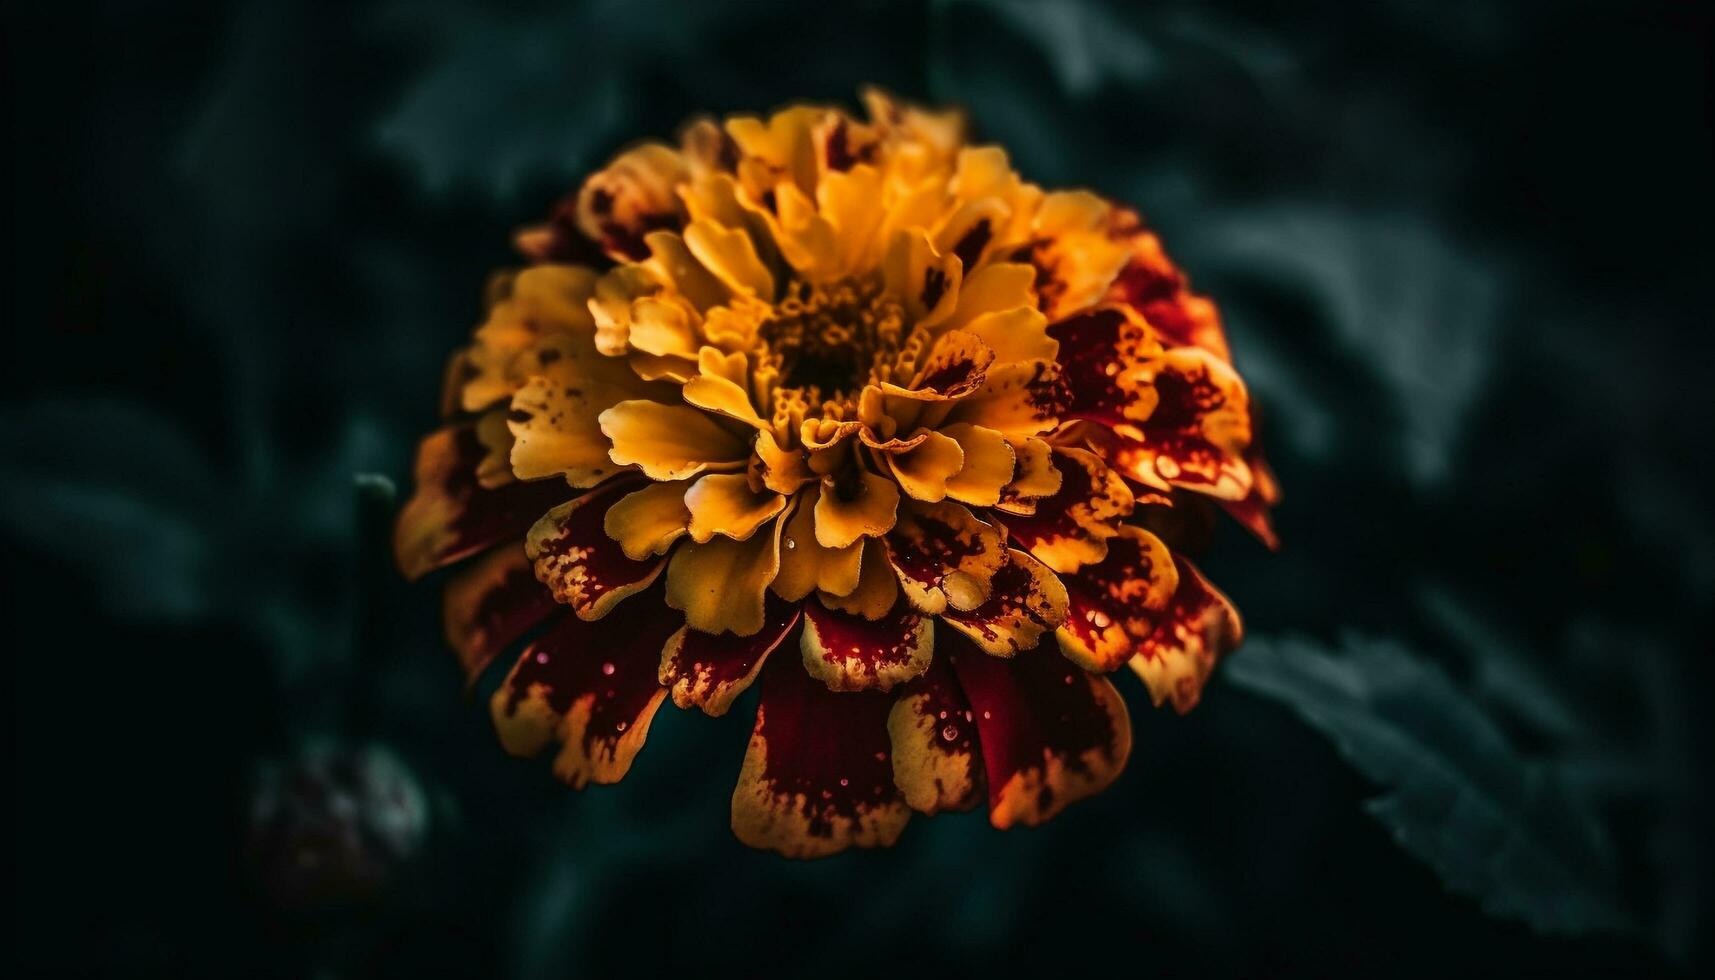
1253, 510
1027, 600
937, 763
1071, 528
590, 687
1102, 356
1177, 653
491, 604
852, 653
578, 562
1074, 255
1017, 399
955, 367
818, 776
1111, 601
451, 516
710, 670
943, 555
1152, 285
1196, 437
636, 193
1051, 733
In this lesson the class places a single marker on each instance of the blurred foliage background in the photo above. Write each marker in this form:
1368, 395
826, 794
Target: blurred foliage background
1464, 254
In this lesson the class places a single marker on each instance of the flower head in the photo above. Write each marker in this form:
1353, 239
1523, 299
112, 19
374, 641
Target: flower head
848, 410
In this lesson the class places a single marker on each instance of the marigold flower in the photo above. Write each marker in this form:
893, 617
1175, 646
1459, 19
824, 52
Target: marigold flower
850, 409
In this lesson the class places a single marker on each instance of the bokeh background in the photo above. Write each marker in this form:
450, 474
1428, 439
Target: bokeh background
1464, 254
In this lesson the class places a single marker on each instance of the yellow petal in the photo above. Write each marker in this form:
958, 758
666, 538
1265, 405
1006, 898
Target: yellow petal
556, 428
724, 504
877, 588
1016, 399
610, 305
493, 432
988, 464
925, 283
1018, 334
846, 513
731, 256
646, 522
806, 566
664, 326
1034, 478
541, 307
782, 470
717, 390
1074, 251
721, 584
848, 201
807, 240
994, 288
923, 471
669, 442
671, 262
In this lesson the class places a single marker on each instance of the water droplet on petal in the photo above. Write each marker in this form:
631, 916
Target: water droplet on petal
950, 733
607, 669
791, 545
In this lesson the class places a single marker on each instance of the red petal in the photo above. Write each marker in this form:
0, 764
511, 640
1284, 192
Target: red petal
851, 653
578, 562
1177, 653
451, 516
491, 604
817, 777
589, 686
1051, 733
710, 670
936, 762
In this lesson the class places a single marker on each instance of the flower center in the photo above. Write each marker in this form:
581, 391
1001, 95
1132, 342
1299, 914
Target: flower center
828, 338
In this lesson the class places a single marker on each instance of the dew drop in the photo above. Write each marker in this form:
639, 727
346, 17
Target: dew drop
607, 669
950, 733
791, 545
987, 716
541, 658
845, 782
620, 726
943, 716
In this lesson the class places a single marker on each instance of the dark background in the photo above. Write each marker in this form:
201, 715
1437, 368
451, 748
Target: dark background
1464, 254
